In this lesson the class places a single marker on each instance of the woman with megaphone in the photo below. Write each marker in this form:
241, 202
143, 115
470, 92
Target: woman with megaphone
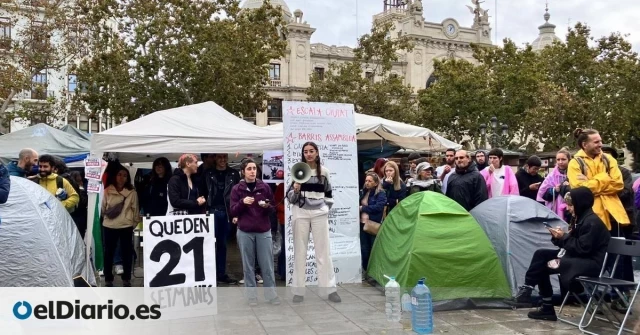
312, 199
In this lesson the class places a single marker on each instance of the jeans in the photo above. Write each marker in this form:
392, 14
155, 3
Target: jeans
111, 239
117, 255
221, 230
538, 272
262, 244
366, 245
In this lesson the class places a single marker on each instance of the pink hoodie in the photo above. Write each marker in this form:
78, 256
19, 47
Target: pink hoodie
510, 182
554, 179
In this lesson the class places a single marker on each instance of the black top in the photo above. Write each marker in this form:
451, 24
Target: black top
221, 177
467, 187
184, 198
251, 186
525, 179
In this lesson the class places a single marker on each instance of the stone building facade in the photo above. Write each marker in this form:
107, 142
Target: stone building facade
289, 76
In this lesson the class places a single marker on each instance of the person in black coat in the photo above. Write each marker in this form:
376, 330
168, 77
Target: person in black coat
373, 199
153, 198
529, 180
393, 185
466, 186
186, 193
585, 246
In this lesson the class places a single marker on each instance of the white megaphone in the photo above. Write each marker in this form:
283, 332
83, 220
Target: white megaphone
300, 172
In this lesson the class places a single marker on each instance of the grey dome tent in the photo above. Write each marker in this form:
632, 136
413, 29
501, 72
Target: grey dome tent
40, 245
514, 225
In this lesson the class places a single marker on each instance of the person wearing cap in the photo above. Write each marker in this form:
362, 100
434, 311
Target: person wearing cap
424, 180
529, 180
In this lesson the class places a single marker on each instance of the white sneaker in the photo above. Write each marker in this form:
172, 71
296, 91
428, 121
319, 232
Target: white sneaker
119, 269
259, 279
241, 282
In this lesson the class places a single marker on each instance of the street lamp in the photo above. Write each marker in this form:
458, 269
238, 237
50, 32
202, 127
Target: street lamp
495, 137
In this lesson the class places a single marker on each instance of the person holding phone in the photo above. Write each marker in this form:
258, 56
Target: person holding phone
529, 179
250, 209
584, 244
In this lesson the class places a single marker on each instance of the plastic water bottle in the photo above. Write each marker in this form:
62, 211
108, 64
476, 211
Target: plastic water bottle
392, 306
422, 314
406, 302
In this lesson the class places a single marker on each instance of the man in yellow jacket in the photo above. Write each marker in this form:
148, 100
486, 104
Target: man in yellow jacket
588, 168
52, 182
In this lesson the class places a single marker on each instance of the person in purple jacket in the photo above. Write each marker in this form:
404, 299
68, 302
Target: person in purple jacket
251, 205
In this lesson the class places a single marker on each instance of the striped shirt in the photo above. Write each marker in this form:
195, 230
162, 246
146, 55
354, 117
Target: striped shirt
315, 193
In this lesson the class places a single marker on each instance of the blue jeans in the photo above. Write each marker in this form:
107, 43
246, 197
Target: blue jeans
221, 230
257, 246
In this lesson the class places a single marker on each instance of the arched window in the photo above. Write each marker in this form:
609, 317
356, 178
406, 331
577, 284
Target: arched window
432, 79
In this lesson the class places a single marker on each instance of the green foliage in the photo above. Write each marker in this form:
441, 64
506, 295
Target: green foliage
386, 94
541, 96
160, 54
46, 37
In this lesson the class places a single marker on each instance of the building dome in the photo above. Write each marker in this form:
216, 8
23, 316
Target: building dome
547, 34
253, 4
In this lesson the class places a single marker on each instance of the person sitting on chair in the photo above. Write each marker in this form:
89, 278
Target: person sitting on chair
584, 248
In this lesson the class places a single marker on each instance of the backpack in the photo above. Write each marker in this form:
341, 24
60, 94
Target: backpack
583, 165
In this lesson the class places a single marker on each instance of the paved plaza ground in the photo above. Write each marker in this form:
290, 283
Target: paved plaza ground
361, 312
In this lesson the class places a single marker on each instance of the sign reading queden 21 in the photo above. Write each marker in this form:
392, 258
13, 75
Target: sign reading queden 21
179, 251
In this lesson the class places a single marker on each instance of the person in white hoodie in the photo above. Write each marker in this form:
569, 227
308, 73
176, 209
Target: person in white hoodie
311, 203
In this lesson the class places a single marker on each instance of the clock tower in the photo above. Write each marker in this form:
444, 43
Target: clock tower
447, 39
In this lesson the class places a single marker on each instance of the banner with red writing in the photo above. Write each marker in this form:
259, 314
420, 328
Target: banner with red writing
333, 128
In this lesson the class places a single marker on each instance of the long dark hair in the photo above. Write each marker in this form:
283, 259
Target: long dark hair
167, 169
111, 180
318, 167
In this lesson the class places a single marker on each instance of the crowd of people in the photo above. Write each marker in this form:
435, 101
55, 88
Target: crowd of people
588, 190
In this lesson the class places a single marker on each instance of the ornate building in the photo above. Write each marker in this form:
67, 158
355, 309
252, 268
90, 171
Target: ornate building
289, 76
547, 33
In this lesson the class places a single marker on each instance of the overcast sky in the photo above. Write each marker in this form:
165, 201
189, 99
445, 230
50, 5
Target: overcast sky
335, 20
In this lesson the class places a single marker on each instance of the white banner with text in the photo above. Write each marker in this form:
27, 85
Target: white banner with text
332, 127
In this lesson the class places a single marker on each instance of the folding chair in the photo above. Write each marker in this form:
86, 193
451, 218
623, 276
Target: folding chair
597, 288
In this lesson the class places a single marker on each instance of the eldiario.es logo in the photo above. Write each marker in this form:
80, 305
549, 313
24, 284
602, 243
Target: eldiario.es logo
22, 310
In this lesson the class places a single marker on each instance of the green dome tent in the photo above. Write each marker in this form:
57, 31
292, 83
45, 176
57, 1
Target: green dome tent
429, 235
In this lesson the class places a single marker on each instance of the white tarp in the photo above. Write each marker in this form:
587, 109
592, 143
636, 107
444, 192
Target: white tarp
199, 128
40, 244
45, 140
404, 135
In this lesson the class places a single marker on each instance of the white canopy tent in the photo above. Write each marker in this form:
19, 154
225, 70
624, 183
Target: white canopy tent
374, 128
199, 128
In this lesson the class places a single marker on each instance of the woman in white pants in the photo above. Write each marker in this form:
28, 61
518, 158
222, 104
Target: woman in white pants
311, 203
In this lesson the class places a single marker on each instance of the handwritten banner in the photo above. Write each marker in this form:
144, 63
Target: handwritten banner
332, 127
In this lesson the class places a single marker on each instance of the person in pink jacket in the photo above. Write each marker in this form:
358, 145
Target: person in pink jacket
552, 190
500, 179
